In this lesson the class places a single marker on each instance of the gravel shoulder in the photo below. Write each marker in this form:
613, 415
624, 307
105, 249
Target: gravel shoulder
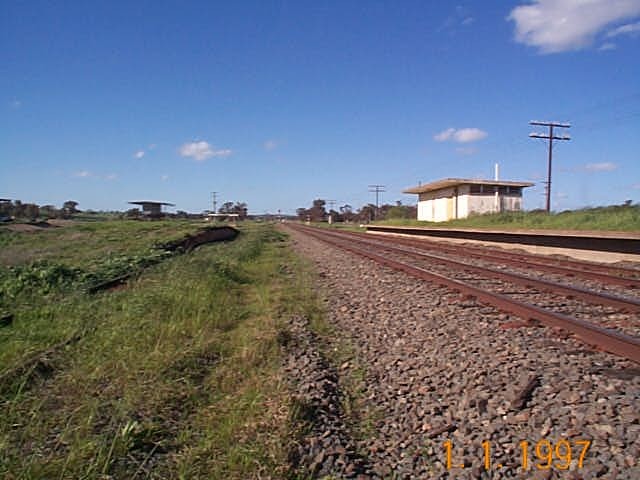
438, 367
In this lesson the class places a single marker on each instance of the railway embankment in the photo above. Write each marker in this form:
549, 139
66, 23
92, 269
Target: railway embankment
449, 390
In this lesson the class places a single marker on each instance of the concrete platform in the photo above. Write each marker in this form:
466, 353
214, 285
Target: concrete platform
596, 246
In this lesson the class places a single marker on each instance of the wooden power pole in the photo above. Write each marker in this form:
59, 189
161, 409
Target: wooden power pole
551, 137
378, 189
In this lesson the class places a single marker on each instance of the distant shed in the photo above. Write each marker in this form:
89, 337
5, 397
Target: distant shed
453, 198
152, 209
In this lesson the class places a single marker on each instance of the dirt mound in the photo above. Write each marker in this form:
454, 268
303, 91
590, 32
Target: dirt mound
206, 235
29, 227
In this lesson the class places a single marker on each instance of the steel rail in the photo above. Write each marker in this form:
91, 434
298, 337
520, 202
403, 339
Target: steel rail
582, 266
516, 261
625, 304
609, 340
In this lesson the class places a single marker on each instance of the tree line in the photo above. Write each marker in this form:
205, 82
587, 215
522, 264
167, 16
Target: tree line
19, 210
317, 212
32, 211
239, 208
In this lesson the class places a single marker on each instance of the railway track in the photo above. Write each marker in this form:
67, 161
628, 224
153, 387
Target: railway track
560, 305
610, 274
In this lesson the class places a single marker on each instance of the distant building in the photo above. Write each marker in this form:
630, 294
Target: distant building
453, 198
152, 209
5, 209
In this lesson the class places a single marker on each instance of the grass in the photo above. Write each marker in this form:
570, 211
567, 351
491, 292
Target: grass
175, 376
612, 218
84, 242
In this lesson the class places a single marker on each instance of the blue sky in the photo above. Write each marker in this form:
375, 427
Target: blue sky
275, 103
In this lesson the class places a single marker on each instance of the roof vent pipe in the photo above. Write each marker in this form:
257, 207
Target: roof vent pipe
497, 171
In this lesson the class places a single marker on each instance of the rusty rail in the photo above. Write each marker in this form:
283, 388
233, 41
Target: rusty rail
522, 280
606, 339
580, 265
568, 268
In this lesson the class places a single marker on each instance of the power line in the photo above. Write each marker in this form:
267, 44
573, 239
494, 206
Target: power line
551, 137
377, 189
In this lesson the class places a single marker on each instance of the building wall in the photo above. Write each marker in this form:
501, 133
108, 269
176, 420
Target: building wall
437, 206
450, 203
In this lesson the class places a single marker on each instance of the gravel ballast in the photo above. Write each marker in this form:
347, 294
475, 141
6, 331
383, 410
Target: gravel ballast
439, 367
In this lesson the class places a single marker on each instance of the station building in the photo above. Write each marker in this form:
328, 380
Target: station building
452, 198
152, 209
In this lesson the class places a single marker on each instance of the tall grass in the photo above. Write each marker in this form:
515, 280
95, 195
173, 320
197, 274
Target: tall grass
615, 217
175, 376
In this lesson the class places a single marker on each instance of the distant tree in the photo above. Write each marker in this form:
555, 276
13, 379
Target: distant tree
303, 213
335, 215
346, 213
49, 211
18, 209
31, 211
132, 213
241, 209
317, 211
227, 207
6, 209
366, 213
398, 211
69, 207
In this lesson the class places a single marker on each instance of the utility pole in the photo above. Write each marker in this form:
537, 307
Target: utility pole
551, 137
378, 189
213, 199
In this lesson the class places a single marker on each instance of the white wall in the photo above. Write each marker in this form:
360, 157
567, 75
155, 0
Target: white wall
440, 205
482, 203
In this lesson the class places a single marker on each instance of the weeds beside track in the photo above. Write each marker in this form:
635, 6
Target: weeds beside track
176, 376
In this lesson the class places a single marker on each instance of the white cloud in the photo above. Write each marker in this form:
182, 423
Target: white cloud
139, 154
444, 135
200, 151
88, 174
462, 135
607, 46
628, 29
465, 135
560, 25
270, 145
15, 104
164, 178
600, 167
152, 146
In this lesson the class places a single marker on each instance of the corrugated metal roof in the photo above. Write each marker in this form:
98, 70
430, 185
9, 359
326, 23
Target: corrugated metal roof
453, 182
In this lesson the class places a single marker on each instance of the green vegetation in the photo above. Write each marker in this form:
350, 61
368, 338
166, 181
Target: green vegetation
83, 243
176, 375
615, 217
